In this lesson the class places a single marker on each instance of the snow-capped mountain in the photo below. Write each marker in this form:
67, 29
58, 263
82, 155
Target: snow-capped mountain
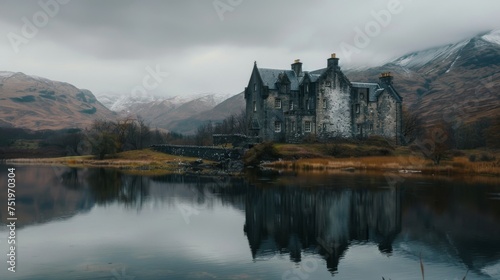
164, 112
129, 103
421, 58
449, 54
456, 83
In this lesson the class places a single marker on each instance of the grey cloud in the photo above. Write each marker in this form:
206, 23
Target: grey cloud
112, 33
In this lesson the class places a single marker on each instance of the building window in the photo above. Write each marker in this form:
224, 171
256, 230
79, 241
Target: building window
277, 126
328, 83
371, 127
254, 86
361, 96
324, 127
291, 104
359, 128
284, 88
307, 88
293, 126
325, 103
307, 126
307, 104
255, 106
277, 103
357, 109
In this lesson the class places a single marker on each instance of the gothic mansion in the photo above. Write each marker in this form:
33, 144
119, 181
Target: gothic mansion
291, 105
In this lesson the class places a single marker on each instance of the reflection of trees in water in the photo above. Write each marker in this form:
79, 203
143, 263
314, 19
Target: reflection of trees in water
108, 186
70, 178
456, 218
204, 190
294, 220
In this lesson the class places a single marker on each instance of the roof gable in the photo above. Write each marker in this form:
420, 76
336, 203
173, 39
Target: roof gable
375, 90
271, 77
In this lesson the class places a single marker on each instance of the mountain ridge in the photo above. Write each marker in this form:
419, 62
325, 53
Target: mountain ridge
38, 103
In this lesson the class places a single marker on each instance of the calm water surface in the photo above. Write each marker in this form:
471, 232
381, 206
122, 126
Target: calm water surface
101, 224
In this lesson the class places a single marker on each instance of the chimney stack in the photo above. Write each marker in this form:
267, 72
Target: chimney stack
386, 78
333, 60
297, 67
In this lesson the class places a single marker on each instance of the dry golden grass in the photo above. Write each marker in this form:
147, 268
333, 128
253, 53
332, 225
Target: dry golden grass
458, 165
141, 162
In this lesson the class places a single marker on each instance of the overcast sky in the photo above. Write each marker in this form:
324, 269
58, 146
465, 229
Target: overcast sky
211, 45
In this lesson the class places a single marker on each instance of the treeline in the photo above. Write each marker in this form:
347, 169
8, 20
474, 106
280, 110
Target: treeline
101, 138
109, 137
233, 124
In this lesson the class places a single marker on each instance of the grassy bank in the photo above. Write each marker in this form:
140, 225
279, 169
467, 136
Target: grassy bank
372, 157
143, 162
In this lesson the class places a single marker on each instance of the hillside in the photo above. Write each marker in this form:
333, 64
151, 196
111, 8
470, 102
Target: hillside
457, 83
38, 104
182, 114
233, 105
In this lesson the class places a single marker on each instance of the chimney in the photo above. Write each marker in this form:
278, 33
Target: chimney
386, 78
297, 67
333, 60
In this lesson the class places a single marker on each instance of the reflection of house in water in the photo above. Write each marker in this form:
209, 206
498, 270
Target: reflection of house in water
293, 220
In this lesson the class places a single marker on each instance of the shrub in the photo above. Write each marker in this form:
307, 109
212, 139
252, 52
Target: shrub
486, 157
261, 152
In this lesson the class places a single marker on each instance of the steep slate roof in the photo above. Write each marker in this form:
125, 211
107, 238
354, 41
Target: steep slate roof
319, 71
270, 77
374, 90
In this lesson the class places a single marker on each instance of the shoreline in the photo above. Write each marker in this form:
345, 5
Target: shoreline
139, 162
458, 166
149, 163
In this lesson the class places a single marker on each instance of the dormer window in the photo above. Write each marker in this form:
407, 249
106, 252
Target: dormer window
254, 86
284, 88
307, 88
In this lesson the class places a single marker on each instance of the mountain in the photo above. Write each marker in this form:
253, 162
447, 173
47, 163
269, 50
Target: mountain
178, 113
457, 83
37, 103
231, 106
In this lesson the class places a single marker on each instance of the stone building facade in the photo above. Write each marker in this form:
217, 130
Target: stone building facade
292, 105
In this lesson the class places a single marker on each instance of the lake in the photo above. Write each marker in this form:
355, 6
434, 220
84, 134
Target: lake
102, 224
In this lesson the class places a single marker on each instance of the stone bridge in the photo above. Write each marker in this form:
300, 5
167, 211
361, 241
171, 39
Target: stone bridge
203, 152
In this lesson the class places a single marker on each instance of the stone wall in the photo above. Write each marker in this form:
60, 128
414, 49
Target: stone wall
209, 153
237, 140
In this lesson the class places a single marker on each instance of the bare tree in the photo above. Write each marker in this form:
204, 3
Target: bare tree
102, 138
412, 125
435, 142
